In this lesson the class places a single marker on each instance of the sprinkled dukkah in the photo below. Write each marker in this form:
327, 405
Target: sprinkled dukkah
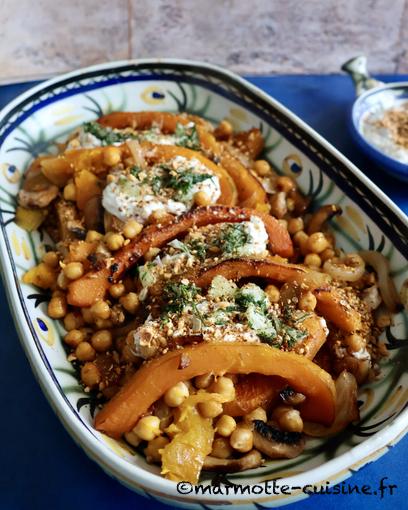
207, 309
395, 121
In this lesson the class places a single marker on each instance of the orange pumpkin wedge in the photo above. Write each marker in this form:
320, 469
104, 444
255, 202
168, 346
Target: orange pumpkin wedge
93, 286
236, 269
250, 190
252, 391
154, 378
166, 121
337, 309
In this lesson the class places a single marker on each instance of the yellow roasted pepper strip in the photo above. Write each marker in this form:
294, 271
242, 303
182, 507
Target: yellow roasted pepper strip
154, 378
183, 457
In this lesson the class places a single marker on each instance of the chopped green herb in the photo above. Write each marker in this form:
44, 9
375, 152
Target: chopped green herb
179, 295
183, 182
198, 249
187, 136
233, 237
135, 170
251, 294
106, 135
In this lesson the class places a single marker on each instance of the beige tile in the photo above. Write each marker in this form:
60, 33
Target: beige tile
264, 36
52, 36
402, 56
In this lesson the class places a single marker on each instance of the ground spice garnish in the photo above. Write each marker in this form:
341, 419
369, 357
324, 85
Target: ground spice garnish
396, 121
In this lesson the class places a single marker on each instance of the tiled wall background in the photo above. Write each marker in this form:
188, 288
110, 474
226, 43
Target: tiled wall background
43, 37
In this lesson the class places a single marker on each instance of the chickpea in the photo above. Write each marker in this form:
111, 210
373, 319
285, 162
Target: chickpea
313, 260
111, 156
69, 192
151, 253
57, 307
210, 409
262, 168
117, 290
176, 395
221, 448
74, 270
62, 281
300, 239
90, 375
317, 243
201, 198
102, 340
257, 414
159, 217
226, 425
100, 310
278, 205
290, 204
132, 438
114, 241
85, 352
87, 315
203, 381
288, 418
285, 184
132, 228
224, 386
327, 254
73, 320
273, 293
130, 302
74, 337
103, 323
295, 225
50, 259
242, 440
154, 449
92, 236
148, 428
354, 343
307, 302
284, 223
224, 130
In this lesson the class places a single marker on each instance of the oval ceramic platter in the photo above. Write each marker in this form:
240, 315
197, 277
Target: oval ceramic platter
37, 120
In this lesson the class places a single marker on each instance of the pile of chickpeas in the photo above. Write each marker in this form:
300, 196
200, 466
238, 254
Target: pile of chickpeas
89, 329
232, 435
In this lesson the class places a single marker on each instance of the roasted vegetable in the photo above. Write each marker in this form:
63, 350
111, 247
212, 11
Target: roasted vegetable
154, 378
91, 287
252, 391
30, 219
236, 269
41, 276
335, 308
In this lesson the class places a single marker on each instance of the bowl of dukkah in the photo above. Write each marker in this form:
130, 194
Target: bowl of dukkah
207, 291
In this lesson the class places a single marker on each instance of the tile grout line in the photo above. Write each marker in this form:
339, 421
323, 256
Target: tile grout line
400, 30
129, 25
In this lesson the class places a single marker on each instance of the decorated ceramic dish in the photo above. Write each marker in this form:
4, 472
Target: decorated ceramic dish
378, 108
39, 120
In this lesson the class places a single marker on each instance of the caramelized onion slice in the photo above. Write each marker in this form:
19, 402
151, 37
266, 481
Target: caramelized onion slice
386, 285
349, 268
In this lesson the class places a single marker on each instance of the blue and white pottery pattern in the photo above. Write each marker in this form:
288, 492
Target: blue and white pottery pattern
37, 120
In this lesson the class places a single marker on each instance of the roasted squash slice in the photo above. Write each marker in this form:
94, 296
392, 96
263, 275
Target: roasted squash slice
151, 381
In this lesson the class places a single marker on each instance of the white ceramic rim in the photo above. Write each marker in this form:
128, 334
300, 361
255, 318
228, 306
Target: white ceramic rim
335, 469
